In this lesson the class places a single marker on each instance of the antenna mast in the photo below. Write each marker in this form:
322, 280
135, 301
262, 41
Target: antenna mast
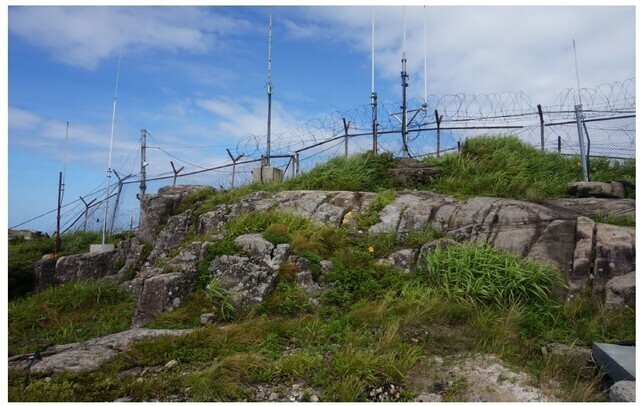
575, 58
269, 90
404, 78
374, 95
113, 120
424, 10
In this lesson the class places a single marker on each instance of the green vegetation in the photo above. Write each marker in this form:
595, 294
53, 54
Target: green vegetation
69, 313
23, 254
367, 329
615, 219
360, 173
507, 167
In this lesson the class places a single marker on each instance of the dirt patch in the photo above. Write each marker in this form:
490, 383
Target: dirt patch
473, 378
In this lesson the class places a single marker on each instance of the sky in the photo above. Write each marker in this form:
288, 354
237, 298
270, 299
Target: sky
195, 78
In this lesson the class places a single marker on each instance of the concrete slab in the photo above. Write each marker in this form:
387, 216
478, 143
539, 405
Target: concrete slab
619, 361
93, 248
268, 174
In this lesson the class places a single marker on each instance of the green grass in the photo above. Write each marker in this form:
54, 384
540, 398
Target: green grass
507, 167
69, 313
359, 173
615, 219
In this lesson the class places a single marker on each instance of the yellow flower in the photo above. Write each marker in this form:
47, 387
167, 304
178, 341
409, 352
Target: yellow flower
371, 249
348, 214
345, 221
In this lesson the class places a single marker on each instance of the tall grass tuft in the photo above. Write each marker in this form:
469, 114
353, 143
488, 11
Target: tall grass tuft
507, 167
361, 172
481, 274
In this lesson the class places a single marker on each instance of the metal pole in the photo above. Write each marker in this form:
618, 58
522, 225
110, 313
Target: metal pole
404, 77
346, 136
115, 207
86, 211
583, 158
559, 144
374, 104
58, 240
175, 173
297, 163
438, 121
143, 162
269, 90
541, 127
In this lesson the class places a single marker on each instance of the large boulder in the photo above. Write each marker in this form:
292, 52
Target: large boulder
161, 293
623, 391
580, 274
621, 291
615, 253
84, 266
45, 273
249, 283
172, 236
596, 189
156, 209
590, 206
262, 251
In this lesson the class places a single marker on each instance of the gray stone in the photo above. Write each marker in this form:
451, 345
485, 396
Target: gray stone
162, 293
89, 355
556, 245
579, 276
390, 214
468, 219
45, 273
594, 189
617, 189
213, 220
418, 213
621, 291
207, 319
590, 206
329, 214
171, 364
172, 236
428, 397
623, 391
249, 283
156, 209
84, 267
615, 253
300, 202
404, 259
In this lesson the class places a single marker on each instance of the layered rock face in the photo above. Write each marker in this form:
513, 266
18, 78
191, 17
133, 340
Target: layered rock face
588, 254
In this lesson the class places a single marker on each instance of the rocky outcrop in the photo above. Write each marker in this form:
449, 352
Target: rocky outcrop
89, 355
262, 251
597, 189
161, 293
623, 391
84, 266
615, 253
45, 273
592, 205
621, 291
247, 282
156, 209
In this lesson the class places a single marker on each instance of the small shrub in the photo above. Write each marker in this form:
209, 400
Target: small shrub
277, 234
372, 215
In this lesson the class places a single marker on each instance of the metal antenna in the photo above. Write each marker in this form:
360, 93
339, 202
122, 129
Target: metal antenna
373, 48
374, 95
269, 90
575, 58
424, 10
113, 120
404, 76
64, 166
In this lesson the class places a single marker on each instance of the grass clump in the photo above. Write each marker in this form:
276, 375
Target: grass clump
472, 273
359, 173
68, 313
615, 219
507, 167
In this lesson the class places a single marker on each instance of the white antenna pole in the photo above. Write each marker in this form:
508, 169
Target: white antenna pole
113, 120
575, 58
64, 166
424, 10
373, 48
269, 89
404, 33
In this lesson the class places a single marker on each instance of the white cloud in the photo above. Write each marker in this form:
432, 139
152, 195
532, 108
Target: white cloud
83, 36
485, 49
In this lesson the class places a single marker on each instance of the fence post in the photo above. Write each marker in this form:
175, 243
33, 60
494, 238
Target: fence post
541, 127
438, 121
559, 145
459, 146
297, 163
175, 172
583, 157
346, 136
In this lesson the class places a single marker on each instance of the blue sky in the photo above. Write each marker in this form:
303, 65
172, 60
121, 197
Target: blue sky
195, 78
